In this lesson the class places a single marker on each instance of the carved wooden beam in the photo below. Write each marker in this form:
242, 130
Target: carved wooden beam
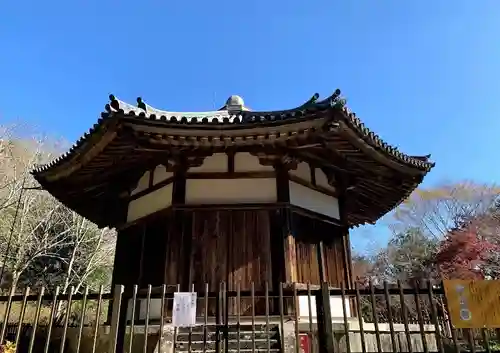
285, 160
179, 160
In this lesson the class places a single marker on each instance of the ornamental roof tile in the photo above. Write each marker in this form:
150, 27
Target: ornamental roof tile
228, 118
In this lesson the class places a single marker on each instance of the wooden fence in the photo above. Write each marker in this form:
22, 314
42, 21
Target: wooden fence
291, 319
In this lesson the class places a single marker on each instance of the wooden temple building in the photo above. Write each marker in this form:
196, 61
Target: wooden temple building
232, 195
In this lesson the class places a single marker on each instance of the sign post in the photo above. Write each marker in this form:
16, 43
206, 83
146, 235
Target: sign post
184, 313
305, 343
473, 304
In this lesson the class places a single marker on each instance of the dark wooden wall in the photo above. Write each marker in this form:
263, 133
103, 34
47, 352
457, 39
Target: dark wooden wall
232, 246
203, 246
308, 234
127, 266
155, 250
178, 244
333, 250
193, 248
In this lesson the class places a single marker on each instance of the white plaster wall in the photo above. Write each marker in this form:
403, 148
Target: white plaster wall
161, 174
335, 306
322, 180
214, 163
150, 203
220, 191
245, 162
303, 171
314, 200
143, 183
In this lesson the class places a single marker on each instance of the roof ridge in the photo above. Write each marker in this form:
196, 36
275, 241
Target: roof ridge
366, 134
119, 108
117, 105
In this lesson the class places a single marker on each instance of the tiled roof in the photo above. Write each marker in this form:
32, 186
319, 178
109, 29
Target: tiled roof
229, 116
129, 137
226, 115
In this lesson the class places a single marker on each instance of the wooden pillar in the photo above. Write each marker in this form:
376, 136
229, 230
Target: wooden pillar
321, 263
290, 259
324, 319
179, 185
342, 184
126, 273
178, 228
119, 209
283, 195
289, 248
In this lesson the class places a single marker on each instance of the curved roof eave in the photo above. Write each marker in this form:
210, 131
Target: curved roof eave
373, 140
228, 117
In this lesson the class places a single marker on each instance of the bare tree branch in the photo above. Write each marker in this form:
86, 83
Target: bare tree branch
48, 238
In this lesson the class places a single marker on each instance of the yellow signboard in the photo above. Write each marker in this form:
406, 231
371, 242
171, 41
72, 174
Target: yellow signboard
473, 304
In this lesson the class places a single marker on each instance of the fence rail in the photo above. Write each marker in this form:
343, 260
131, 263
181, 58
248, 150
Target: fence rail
288, 319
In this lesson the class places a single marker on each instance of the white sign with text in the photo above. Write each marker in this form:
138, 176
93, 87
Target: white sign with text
184, 310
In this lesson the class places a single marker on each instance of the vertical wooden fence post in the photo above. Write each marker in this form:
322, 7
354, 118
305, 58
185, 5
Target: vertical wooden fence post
218, 309
324, 318
117, 334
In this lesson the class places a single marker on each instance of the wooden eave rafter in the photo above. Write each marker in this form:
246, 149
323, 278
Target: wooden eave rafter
319, 132
233, 120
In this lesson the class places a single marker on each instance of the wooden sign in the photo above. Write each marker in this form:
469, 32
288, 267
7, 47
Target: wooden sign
473, 304
184, 311
305, 343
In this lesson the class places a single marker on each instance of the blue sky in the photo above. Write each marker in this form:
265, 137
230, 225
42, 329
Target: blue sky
424, 75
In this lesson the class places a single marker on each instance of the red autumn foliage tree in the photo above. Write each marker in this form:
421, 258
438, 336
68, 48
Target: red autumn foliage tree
464, 253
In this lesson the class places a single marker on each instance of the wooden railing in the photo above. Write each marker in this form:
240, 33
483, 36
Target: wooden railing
300, 318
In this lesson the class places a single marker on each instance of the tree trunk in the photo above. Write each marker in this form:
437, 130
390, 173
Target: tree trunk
62, 308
